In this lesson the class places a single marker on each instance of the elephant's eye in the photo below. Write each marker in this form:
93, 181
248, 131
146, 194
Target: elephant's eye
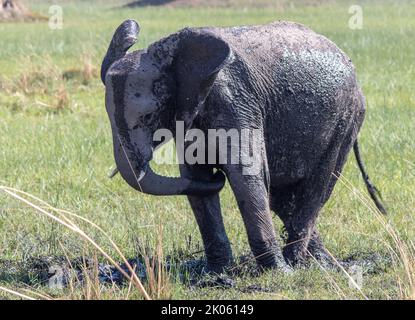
144, 120
148, 118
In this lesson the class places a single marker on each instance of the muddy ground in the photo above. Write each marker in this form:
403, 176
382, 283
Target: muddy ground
58, 271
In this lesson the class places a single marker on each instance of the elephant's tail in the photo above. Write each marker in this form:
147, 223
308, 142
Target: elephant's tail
373, 191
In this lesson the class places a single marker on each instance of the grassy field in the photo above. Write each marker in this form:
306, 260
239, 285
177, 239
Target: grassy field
55, 143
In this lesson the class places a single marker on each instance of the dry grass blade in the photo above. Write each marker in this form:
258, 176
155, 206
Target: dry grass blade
17, 294
329, 277
65, 221
405, 252
39, 295
352, 281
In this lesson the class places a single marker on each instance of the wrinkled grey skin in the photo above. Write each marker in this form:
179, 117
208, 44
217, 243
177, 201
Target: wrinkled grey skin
294, 85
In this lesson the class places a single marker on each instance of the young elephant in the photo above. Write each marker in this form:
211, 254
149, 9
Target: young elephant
293, 86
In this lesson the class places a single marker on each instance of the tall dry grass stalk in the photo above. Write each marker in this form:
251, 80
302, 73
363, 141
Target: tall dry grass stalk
158, 284
62, 98
16, 293
63, 218
402, 252
89, 70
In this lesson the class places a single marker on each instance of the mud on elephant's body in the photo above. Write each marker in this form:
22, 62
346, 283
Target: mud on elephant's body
293, 85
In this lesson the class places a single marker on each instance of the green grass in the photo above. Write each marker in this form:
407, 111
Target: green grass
62, 152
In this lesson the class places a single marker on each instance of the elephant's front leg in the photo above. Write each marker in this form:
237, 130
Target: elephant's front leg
209, 218
253, 200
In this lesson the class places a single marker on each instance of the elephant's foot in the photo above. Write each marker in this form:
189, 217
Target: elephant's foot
216, 275
214, 280
301, 252
218, 267
278, 263
318, 253
219, 257
295, 253
271, 258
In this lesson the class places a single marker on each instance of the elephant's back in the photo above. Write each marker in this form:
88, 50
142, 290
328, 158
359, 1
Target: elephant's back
278, 39
310, 88
289, 60
295, 68
301, 83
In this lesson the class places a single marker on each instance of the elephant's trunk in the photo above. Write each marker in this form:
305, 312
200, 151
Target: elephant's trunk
141, 177
155, 184
124, 38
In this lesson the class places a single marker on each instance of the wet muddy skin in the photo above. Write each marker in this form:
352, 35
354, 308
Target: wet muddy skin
293, 87
192, 272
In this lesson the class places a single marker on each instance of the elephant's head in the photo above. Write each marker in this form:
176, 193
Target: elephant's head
150, 89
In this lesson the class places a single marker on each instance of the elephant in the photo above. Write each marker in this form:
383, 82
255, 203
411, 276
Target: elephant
290, 84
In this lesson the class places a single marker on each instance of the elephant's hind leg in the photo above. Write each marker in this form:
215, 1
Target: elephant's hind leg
300, 226
298, 205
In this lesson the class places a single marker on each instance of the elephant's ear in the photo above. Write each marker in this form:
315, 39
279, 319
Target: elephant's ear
123, 39
200, 57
